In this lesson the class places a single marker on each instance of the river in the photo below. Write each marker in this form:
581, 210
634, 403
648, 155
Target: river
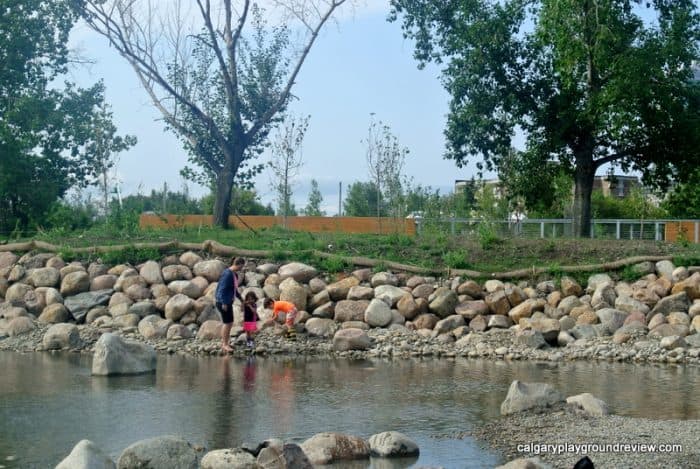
49, 402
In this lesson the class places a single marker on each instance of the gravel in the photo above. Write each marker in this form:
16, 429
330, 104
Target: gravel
565, 425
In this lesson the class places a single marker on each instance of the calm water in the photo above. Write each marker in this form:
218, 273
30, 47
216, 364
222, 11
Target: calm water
48, 402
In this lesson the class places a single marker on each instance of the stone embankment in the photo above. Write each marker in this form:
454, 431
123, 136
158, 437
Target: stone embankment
542, 429
175, 452
48, 304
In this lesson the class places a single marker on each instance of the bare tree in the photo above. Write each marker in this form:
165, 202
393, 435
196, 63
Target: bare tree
385, 160
287, 160
220, 75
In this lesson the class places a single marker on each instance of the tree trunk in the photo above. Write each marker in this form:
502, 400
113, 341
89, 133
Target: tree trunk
584, 175
224, 185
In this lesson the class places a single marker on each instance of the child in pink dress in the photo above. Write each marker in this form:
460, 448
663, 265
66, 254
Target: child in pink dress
250, 317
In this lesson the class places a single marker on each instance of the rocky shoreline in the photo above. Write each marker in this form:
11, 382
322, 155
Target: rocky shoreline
550, 432
47, 304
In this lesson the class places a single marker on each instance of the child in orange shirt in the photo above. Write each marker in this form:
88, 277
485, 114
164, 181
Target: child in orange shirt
285, 307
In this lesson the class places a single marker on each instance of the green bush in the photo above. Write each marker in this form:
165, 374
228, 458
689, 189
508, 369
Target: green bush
487, 236
456, 259
130, 255
332, 264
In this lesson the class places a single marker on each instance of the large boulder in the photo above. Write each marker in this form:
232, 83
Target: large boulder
669, 304
390, 294
590, 404
60, 336
74, 283
154, 327
114, 356
443, 303
19, 325
210, 270
326, 448
210, 330
665, 269
300, 272
384, 278
234, 458
340, 289
525, 309
378, 313
498, 302
151, 273
185, 287
523, 396
448, 324
103, 282
408, 307
392, 445
176, 272
86, 455
54, 314
691, 286
630, 305
570, 287
44, 277
17, 292
604, 296
530, 338
611, 318
347, 310
290, 456
351, 339
80, 304
170, 452
426, 321
320, 327
360, 293
294, 293
178, 306
470, 288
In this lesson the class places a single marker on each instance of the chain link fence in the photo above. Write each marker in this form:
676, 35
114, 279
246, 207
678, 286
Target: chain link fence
654, 230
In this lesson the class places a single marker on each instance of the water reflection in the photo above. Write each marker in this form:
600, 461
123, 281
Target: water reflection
224, 401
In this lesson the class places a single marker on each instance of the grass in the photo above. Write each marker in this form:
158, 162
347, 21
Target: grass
433, 250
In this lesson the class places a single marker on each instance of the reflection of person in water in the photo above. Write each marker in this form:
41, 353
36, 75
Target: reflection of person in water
249, 374
224, 428
282, 395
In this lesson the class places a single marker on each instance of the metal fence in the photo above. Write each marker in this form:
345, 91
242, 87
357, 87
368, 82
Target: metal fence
558, 228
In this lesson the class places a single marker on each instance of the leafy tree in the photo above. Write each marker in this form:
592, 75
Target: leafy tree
47, 134
361, 199
243, 202
684, 200
162, 201
588, 82
313, 206
220, 85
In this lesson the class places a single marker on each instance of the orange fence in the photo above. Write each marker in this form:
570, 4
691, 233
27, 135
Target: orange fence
683, 230
310, 224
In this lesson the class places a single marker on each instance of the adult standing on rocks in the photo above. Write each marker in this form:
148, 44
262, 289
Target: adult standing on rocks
226, 290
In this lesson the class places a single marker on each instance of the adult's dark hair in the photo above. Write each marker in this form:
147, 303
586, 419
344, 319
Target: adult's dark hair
237, 261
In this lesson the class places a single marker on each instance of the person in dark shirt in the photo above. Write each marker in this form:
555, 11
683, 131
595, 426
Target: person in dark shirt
226, 290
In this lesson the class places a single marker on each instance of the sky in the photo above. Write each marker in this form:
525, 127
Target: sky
360, 65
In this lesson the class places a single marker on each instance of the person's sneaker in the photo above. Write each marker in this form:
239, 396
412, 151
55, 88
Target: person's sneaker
291, 334
250, 343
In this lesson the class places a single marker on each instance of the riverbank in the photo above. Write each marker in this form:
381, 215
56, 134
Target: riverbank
562, 435
495, 344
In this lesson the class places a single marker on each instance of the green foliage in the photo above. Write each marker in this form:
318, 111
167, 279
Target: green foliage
456, 259
361, 200
628, 274
400, 240
684, 199
243, 202
49, 137
333, 264
130, 254
635, 206
587, 83
313, 206
488, 238
380, 267
163, 201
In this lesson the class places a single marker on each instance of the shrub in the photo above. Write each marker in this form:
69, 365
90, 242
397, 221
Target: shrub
456, 259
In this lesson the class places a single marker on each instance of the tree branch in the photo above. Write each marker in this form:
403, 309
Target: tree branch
285, 93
